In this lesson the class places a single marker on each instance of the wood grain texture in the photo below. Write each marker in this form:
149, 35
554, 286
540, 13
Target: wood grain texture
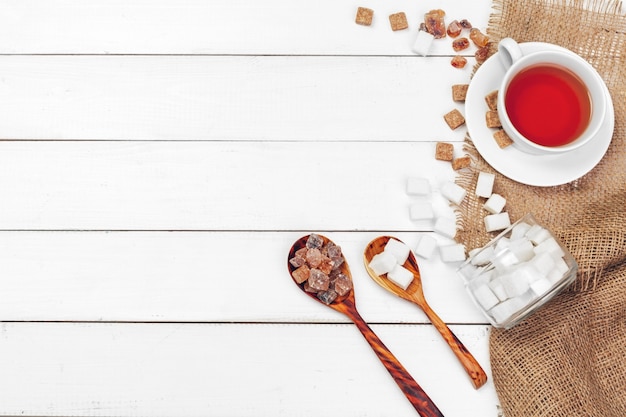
153, 157
249, 27
234, 98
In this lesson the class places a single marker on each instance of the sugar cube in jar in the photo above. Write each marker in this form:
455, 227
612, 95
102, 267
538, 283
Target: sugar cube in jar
516, 273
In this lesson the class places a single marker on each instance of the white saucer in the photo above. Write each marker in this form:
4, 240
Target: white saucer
537, 170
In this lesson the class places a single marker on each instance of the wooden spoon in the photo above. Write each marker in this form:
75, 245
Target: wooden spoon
415, 294
346, 304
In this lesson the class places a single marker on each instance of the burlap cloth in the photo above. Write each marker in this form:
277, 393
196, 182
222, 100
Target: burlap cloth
568, 359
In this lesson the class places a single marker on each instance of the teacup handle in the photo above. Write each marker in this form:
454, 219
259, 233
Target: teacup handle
509, 51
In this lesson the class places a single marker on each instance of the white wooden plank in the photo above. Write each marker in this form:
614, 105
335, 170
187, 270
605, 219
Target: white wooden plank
227, 98
229, 370
218, 26
197, 277
215, 185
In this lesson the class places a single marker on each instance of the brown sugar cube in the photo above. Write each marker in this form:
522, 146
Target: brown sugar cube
502, 139
444, 151
492, 100
454, 119
460, 163
398, 21
492, 119
364, 16
459, 91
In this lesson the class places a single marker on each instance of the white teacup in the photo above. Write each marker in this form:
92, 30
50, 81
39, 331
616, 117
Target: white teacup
549, 101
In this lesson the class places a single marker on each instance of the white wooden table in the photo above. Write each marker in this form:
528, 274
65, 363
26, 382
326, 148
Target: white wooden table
159, 158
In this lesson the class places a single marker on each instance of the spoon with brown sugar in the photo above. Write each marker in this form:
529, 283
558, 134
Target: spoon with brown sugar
415, 294
317, 265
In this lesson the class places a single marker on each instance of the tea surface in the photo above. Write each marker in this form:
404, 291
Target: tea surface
548, 104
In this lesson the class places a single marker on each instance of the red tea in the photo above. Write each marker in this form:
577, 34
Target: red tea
548, 104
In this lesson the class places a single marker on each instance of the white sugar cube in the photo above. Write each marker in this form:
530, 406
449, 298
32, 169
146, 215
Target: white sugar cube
554, 276
544, 262
484, 184
498, 221
515, 283
502, 243
445, 227
485, 297
417, 186
498, 289
523, 249
560, 265
537, 234
495, 203
401, 276
541, 286
453, 192
483, 256
519, 230
382, 263
422, 43
452, 253
426, 246
551, 246
399, 250
422, 210
506, 309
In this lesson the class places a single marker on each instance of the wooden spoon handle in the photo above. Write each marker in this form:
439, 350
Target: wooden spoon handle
422, 403
471, 365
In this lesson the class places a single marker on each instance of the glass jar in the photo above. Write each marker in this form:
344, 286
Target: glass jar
517, 272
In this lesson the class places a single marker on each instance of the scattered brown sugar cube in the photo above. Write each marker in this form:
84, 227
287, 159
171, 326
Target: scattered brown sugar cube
492, 119
492, 100
398, 21
459, 91
458, 61
364, 16
460, 163
444, 151
502, 139
435, 24
454, 119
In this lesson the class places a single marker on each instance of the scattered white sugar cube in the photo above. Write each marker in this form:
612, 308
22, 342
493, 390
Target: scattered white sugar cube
485, 297
541, 286
417, 186
495, 203
484, 184
426, 246
523, 249
452, 253
422, 210
399, 250
551, 246
483, 256
453, 192
498, 289
445, 227
422, 43
401, 276
537, 234
498, 221
382, 263
519, 230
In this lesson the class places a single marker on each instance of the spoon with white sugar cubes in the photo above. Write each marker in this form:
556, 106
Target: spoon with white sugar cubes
393, 266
